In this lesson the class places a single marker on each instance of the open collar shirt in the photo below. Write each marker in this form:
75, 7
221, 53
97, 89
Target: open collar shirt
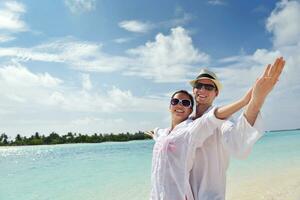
233, 139
174, 153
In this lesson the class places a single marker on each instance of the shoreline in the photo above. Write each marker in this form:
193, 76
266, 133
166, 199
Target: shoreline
128, 140
279, 130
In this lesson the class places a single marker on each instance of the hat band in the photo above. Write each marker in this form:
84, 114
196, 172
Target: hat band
205, 75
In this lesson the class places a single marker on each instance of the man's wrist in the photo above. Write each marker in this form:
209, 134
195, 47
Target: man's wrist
256, 103
253, 109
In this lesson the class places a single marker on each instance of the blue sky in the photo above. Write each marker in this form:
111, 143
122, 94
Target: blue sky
110, 66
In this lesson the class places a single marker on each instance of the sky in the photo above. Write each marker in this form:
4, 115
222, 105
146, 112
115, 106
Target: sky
98, 66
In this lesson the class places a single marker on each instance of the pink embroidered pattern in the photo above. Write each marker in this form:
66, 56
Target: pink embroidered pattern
171, 147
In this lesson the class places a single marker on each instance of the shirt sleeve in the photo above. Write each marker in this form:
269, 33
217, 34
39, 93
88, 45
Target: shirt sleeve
239, 137
156, 134
204, 127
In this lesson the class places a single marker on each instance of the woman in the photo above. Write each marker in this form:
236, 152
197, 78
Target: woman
175, 147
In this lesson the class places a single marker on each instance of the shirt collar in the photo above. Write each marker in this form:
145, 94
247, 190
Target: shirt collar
191, 117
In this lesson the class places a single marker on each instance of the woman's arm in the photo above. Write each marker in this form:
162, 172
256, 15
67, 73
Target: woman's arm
227, 110
149, 133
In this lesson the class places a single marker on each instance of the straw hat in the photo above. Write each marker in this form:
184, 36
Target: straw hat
206, 74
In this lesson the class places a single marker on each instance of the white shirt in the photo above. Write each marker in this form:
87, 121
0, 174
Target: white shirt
173, 156
208, 174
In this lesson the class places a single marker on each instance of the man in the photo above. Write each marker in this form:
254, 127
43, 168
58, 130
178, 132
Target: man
208, 174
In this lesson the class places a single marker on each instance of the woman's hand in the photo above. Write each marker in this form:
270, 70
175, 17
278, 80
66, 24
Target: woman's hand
150, 133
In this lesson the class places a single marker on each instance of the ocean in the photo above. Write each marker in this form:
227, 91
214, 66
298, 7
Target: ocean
121, 171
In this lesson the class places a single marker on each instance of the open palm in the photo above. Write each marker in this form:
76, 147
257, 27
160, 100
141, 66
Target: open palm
264, 84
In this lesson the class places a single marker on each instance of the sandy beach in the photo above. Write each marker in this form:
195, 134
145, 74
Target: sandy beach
279, 184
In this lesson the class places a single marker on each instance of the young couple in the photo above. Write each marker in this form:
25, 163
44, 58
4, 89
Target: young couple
190, 159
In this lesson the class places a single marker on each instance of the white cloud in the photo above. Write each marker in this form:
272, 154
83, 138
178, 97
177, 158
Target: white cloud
10, 13
286, 39
217, 2
37, 101
76, 100
85, 56
238, 75
181, 18
80, 6
91, 124
284, 23
85, 124
96, 124
23, 90
40, 101
179, 21
168, 58
239, 72
136, 26
21, 77
122, 40
86, 82
10, 19
15, 6
6, 38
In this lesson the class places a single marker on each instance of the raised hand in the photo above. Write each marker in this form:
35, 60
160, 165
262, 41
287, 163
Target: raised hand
262, 87
150, 133
268, 80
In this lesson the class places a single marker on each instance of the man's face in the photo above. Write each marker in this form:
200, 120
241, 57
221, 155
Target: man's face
204, 96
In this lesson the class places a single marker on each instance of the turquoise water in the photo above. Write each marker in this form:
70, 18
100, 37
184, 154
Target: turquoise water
275, 149
81, 171
115, 171
271, 172
275, 153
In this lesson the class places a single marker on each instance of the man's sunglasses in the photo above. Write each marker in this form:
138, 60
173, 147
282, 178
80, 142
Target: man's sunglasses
208, 87
184, 102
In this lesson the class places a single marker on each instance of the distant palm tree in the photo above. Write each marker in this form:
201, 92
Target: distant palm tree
3, 139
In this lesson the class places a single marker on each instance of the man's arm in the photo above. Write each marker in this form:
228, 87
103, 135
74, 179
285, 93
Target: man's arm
240, 136
255, 96
262, 87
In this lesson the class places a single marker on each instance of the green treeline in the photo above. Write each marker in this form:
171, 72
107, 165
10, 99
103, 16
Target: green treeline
69, 138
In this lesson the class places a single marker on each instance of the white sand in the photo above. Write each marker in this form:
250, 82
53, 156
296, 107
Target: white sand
265, 185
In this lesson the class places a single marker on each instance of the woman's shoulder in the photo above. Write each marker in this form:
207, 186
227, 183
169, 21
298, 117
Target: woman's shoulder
158, 132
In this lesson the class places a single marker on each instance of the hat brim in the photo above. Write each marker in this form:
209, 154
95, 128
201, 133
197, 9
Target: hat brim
216, 82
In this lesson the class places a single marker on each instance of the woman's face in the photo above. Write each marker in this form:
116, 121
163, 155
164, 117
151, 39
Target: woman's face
180, 111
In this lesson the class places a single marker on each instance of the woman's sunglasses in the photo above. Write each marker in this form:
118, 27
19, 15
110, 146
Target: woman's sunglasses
184, 102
